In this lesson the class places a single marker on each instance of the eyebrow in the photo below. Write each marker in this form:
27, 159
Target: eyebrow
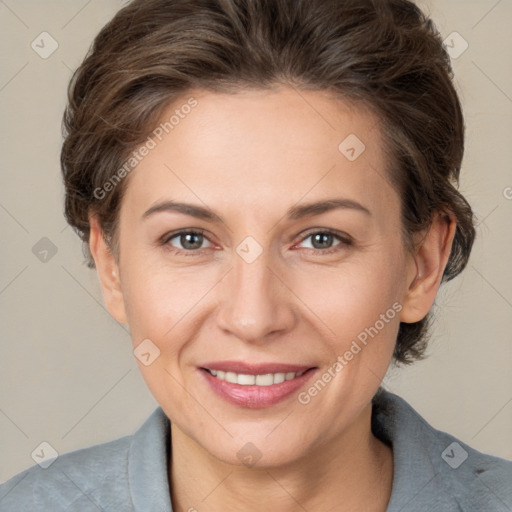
293, 213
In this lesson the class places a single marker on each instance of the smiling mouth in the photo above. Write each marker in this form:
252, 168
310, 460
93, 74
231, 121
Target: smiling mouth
255, 386
266, 379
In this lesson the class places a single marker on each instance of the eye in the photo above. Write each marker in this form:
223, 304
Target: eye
191, 241
188, 241
322, 241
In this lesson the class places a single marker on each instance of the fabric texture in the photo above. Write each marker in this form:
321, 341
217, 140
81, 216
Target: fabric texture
433, 471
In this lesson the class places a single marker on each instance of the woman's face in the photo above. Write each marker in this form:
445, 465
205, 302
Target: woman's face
260, 281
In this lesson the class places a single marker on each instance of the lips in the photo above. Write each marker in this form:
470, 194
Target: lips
254, 386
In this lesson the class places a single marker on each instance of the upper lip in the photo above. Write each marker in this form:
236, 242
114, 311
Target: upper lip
254, 368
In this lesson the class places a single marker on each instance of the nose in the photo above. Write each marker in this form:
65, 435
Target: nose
255, 303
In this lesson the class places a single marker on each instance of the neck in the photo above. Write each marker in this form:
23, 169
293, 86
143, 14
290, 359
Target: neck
352, 472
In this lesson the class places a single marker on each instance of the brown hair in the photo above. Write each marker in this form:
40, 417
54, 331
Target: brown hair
385, 54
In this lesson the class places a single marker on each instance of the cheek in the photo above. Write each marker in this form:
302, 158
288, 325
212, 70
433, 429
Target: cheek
163, 305
160, 301
351, 298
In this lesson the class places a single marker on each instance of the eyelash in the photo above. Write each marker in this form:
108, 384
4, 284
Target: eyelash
345, 241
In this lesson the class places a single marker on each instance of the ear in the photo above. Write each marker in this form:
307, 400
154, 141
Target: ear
426, 268
108, 271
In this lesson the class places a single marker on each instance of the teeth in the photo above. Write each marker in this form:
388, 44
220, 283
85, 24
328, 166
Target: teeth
231, 377
265, 380
250, 380
246, 380
279, 377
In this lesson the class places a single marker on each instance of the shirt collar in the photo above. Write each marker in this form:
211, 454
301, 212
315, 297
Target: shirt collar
147, 465
422, 478
432, 469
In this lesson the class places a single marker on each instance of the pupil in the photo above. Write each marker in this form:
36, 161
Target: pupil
322, 238
186, 241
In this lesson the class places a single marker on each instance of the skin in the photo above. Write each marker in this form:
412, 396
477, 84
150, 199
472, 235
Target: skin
250, 156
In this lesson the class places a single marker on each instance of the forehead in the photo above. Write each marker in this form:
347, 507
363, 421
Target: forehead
265, 147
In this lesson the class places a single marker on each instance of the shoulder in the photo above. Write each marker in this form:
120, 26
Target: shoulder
108, 476
74, 481
435, 470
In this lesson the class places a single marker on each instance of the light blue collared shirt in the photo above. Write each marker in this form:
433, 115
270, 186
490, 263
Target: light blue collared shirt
433, 471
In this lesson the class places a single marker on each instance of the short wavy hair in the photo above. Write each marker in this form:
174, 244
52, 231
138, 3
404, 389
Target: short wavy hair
384, 54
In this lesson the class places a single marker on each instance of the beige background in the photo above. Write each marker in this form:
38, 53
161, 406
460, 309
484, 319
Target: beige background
67, 371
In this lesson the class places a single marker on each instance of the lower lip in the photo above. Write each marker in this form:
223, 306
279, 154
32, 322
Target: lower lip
255, 397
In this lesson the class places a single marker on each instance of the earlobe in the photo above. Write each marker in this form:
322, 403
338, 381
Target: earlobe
108, 271
427, 266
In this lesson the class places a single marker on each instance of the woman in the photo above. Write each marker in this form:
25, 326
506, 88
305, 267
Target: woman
266, 190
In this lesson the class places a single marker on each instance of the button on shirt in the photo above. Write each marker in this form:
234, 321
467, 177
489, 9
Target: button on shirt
433, 471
